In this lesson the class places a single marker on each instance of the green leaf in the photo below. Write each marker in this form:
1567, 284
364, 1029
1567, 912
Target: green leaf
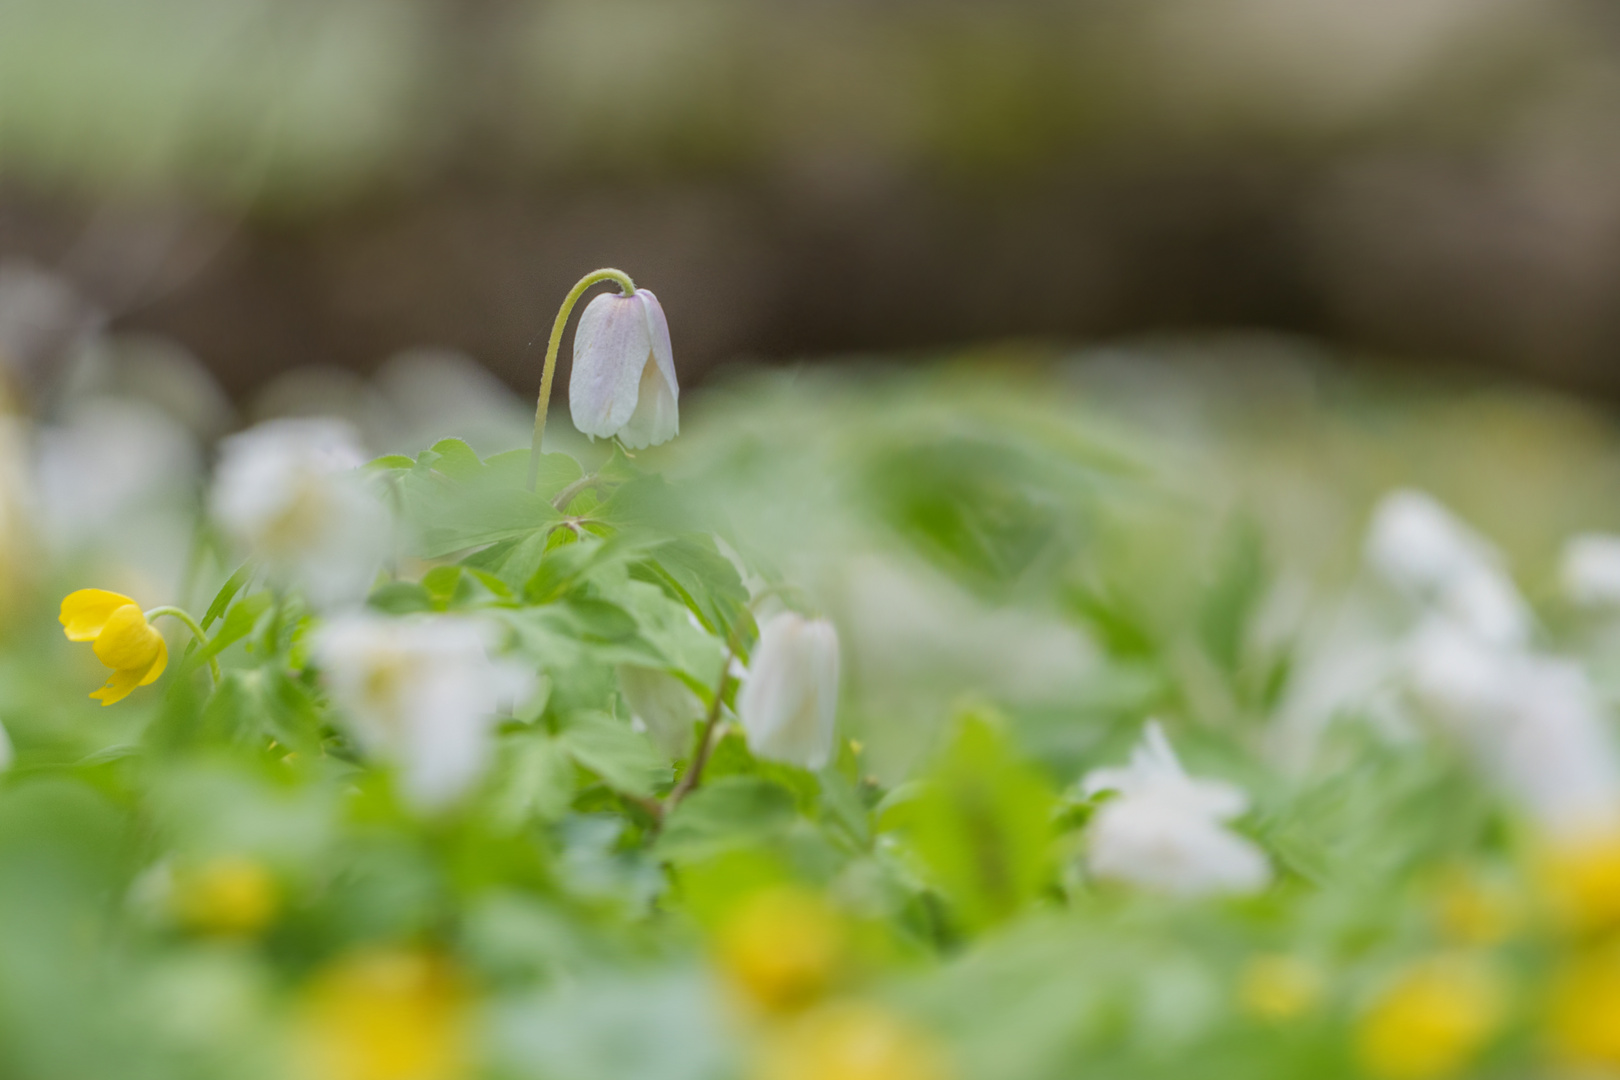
692, 570
981, 826
239, 622
400, 598
389, 461
227, 593
625, 760
471, 518
731, 812
535, 780
1230, 603
457, 459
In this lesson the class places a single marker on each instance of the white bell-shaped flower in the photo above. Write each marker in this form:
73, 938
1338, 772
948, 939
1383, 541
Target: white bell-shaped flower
1163, 831
789, 703
624, 372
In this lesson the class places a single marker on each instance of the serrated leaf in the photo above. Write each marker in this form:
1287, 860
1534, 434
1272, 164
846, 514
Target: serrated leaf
624, 759
239, 622
730, 812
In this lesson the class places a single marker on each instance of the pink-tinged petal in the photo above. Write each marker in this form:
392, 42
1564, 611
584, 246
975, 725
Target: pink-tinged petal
611, 348
657, 417
658, 330
85, 612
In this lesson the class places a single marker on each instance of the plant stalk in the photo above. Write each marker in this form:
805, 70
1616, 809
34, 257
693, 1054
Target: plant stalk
558, 325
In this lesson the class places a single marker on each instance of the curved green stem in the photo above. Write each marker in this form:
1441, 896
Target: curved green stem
594, 277
196, 632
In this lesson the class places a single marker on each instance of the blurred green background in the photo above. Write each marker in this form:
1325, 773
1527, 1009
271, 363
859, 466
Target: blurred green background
281, 183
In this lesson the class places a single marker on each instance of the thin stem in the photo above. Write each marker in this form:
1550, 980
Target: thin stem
196, 632
594, 277
705, 746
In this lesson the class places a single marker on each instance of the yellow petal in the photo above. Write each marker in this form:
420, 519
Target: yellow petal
118, 687
127, 642
85, 612
159, 662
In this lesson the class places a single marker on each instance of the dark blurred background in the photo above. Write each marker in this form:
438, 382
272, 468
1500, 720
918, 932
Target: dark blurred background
283, 183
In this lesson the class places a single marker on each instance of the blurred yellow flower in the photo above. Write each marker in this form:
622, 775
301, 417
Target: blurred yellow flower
1278, 987
124, 640
1585, 1019
1431, 1021
386, 1015
851, 1041
231, 895
782, 947
1473, 910
1582, 881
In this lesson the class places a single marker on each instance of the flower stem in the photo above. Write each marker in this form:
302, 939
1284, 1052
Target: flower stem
196, 632
594, 277
705, 744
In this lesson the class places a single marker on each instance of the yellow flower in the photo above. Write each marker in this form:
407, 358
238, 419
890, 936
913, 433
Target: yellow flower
1586, 1011
386, 1015
124, 640
851, 1042
1278, 987
231, 895
782, 947
1431, 1021
1474, 910
1582, 881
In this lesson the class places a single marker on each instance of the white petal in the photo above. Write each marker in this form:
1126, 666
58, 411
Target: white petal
789, 703
656, 419
611, 348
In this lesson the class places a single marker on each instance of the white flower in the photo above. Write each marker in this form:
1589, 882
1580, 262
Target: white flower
1163, 829
624, 372
1590, 570
109, 459
1420, 547
286, 490
663, 706
420, 693
1533, 723
789, 703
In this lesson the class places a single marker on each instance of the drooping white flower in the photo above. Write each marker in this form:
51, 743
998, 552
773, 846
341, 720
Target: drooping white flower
1163, 830
287, 491
421, 694
789, 702
623, 382
1590, 570
662, 705
1420, 547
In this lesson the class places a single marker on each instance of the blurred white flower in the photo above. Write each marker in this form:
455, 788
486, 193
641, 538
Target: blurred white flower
1163, 829
1590, 570
662, 706
623, 381
1420, 547
789, 702
1533, 723
286, 490
107, 459
422, 694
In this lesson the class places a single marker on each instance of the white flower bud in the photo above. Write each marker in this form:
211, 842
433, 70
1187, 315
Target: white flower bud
624, 372
789, 704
